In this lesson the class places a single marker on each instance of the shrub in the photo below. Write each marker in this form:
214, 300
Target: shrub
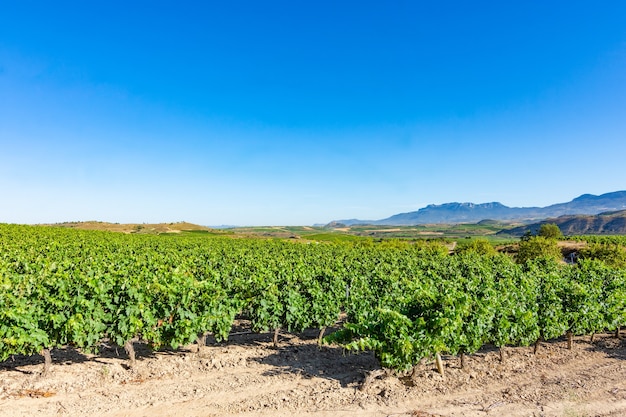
550, 230
479, 246
611, 255
538, 247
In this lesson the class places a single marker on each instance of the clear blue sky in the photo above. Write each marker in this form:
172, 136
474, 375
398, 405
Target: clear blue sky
295, 113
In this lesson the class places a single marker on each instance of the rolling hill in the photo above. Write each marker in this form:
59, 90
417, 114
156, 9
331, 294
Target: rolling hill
609, 223
142, 228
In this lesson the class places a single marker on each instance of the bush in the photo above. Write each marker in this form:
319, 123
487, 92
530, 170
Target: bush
550, 231
611, 255
479, 246
538, 247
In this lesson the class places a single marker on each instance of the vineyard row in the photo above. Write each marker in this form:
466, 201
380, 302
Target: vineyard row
61, 287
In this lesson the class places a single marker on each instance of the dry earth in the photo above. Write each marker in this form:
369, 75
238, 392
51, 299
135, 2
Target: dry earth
247, 376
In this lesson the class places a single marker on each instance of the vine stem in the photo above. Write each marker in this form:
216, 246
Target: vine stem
569, 340
201, 341
130, 351
276, 331
321, 336
47, 361
371, 376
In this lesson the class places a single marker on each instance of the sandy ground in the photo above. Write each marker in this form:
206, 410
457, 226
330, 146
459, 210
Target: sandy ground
246, 376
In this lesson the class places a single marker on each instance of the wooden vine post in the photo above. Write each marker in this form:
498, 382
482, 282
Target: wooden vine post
439, 363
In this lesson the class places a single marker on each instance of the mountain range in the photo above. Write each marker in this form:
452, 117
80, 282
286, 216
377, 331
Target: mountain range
472, 213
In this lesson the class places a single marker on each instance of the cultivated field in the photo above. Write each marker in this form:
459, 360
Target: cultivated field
232, 326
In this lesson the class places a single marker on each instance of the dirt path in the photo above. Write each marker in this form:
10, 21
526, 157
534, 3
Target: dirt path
247, 377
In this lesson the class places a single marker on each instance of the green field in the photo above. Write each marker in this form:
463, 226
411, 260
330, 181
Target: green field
443, 232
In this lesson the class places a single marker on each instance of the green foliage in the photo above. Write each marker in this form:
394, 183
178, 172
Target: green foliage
605, 292
19, 328
516, 318
466, 305
394, 338
450, 309
550, 231
612, 255
479, 246
336, 237
605, 239
582, 299
538, 247
548, 276
62, 287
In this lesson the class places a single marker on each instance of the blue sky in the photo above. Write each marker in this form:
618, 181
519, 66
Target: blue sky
295, 113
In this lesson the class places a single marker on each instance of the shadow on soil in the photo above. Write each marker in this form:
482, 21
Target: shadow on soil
310, 360
295, 354
299, 354
69, 355
609, 345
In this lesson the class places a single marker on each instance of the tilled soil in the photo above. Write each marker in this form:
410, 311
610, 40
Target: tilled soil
248, 376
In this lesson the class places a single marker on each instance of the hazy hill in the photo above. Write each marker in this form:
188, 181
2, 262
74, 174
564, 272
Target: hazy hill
472, 213
610, 223
143, 228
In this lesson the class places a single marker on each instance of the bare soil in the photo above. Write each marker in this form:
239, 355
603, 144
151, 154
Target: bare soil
246, 376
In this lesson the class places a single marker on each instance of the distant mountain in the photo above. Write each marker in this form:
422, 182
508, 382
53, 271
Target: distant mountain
609, 223
472, 213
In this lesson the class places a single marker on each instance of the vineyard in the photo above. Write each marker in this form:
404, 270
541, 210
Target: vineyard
404, 302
